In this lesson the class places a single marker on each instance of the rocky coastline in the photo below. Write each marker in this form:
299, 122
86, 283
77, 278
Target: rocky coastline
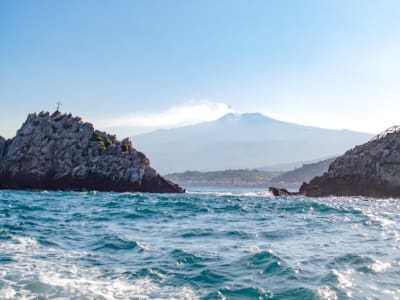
61, 152
371, 169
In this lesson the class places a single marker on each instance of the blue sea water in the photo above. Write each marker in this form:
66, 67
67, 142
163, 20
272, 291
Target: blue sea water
206, 244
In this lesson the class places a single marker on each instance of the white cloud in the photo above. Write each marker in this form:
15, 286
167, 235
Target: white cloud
193, 112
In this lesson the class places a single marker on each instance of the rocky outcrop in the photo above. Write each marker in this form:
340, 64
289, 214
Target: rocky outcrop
3, 143
371, 169
61, 152
281, 192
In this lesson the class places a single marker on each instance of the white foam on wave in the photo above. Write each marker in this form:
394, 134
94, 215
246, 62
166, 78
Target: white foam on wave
255, 249
234, 194
381, 213
18, 244
344, 279
7, 293
143, 246
117, 288
326, 293
379, 266
54, 274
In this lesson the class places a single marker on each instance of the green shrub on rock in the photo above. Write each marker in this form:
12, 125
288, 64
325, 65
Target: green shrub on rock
125, 147
109, 142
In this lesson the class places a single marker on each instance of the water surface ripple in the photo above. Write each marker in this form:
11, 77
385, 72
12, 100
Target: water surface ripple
202, 245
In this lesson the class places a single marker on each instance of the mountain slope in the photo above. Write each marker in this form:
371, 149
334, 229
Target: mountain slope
238, 141
295, 178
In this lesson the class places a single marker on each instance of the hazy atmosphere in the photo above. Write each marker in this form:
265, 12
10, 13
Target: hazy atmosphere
135, 66
200, 149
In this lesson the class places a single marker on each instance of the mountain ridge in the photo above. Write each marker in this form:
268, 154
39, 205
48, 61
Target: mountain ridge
232, 116
240, 141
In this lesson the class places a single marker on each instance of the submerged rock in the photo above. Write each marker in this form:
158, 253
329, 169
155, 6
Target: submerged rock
371, 169
61, 152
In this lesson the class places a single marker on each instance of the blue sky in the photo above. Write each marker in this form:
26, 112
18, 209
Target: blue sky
125, 65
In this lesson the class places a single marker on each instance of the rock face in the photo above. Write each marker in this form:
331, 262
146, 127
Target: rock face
371, 169
61, 152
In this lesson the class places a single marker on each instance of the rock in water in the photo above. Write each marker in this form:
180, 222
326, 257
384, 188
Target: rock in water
281, 192
371, 169
61, 152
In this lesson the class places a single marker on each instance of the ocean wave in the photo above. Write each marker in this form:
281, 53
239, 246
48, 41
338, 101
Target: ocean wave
327, 293
182, 258
362, 264
262, 194
241, 246
241, 293
197, 232
47, 271
113, 243
207, 278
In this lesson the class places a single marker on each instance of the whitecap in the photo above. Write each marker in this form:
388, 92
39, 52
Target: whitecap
8, 293
19, 244
255, 249
53, 271
326, 293
379, 266
343, 278
143, 246
233, 194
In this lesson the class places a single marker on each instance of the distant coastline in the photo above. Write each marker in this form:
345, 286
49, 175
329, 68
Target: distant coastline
256, 178
226, 178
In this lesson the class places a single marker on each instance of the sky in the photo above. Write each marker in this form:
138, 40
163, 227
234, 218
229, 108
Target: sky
133, 66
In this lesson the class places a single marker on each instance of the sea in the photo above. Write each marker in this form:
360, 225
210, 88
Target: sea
206, 244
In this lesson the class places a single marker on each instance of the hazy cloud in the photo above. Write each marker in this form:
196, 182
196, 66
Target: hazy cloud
190, 113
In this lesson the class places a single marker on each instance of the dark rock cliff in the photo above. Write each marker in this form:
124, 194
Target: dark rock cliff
61, 152
371, 169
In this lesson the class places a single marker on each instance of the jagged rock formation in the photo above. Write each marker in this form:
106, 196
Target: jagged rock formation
281, 192
61, 152
371, 169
